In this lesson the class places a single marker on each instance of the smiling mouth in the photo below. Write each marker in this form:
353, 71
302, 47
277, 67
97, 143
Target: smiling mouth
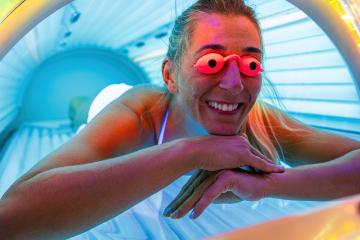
224, 107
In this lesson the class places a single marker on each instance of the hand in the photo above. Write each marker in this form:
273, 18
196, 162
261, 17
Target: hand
227, 152
226, 186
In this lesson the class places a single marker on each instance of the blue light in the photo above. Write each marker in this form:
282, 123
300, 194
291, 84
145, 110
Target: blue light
75, 17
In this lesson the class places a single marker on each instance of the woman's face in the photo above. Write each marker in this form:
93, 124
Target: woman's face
196, 92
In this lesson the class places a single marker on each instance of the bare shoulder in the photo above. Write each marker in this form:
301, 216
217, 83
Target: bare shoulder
117, 130
140, 98
121, 127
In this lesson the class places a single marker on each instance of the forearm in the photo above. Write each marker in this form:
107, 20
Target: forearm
64, 201
333, 179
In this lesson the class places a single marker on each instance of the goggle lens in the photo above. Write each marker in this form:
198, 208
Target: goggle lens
213, 62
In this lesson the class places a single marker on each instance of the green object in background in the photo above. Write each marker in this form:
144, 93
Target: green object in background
7, 6
78, 111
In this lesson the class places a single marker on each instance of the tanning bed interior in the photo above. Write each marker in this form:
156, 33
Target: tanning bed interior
59, 66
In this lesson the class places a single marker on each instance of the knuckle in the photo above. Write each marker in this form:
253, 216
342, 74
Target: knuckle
244, 139
243, 135
232, 181
246, 150
228, 180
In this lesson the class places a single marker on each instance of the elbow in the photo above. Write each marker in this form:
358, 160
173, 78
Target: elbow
8, 215
20, 215
18, 220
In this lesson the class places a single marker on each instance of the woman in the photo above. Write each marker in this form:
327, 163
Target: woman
232, 28
208, 119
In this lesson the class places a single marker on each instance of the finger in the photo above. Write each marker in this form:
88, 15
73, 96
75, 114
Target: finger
244, 136
191, 188
170, 208
263, 165
192, 178
186, 191
213, 192
259, 154
190, 202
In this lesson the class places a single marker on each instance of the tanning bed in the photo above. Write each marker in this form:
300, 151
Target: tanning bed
44, 43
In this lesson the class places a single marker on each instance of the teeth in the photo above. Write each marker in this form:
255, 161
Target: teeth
223, 107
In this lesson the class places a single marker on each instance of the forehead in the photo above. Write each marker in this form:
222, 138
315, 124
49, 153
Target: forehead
234, 32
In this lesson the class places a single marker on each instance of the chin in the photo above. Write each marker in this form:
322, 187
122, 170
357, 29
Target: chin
224, 128
224, 131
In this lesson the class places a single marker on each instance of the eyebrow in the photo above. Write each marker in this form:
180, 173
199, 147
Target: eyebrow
252, 49
221, 47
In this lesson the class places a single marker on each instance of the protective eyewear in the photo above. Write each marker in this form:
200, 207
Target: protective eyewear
213, 63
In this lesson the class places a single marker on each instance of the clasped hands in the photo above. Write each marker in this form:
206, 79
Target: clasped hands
222, 186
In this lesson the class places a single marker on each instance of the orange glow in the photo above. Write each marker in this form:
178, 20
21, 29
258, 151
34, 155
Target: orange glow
350, 14
338, 221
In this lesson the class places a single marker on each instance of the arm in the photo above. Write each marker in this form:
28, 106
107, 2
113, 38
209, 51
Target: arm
84, 182
68, 200
101, 172
303, 144
326, 166
322, 181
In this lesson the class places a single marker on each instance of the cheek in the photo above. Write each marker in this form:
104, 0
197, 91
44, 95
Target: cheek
191, 87
187, 92
254, 87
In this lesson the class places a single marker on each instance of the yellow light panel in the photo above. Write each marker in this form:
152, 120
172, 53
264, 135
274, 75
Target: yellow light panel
7, 6
349, 16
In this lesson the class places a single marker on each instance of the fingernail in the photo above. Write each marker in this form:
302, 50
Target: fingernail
167, 211
192, 214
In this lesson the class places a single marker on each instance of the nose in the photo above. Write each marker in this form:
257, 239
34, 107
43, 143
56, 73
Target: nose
232, 80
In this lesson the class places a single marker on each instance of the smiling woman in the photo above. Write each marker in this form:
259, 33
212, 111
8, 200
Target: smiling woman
209, 118
216, 92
